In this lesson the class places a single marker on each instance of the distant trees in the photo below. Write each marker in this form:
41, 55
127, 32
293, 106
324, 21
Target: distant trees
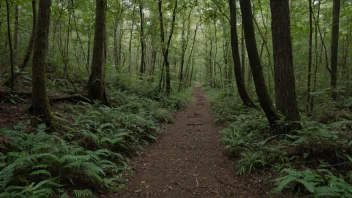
30, 45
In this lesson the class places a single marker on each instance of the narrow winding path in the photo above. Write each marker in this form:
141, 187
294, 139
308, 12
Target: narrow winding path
189, 161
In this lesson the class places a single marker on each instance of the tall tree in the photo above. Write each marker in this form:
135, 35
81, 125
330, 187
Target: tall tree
285, 88
10, 43
335, 44
96, 85
40, 103
184, 46
15, 36
166, 45
142, 67
310, 55
236, 57
255, 64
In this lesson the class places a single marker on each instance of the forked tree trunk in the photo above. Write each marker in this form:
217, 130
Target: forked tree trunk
166, 45
285, 88
247, 101
254, 62
96, 85
40, 103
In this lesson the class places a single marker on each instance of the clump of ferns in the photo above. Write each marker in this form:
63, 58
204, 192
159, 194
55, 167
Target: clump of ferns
114, 128
250, 137
41, 163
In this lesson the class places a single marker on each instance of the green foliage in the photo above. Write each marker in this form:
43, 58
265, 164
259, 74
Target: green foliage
13, 98
82, 193
348, 102
90, 152
38, 163
226, 105
320, 183
322, 149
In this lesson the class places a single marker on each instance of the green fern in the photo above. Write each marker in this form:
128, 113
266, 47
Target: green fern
82, 193
315, 183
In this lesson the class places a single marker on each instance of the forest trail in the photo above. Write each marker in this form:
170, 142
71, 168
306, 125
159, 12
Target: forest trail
189, 161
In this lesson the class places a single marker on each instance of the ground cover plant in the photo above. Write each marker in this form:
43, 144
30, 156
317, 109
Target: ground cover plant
85, 84
314, 160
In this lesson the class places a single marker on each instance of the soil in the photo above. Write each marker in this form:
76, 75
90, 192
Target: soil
189, 161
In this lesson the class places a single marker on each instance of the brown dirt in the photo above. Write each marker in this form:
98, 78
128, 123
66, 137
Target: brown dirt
189, 161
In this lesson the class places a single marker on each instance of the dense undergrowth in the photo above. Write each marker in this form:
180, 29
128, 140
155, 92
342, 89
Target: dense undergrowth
88, 155
314, 161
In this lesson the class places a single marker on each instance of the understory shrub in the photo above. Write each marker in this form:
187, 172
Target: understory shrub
315, 159
88, 155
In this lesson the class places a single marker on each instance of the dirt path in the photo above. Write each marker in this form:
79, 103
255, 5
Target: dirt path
189, 161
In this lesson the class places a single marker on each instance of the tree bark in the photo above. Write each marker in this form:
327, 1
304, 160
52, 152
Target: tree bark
117, 52
130, 42
310, 56
191, 54
142, 67
184, 47
285, 88
96, 85
40, 103
247, 101
31, 41
10, 43
166, 46
335, 45
15, 37
254, 62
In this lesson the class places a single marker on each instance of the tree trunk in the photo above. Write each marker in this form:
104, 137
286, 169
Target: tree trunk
335, 45
142, 39
310, 55
254, 62
117, 33
96, 85
285, 88
191, 53
166, 46
184, 47
15, 37
130, 43
88, 52
247, 101
40, 103
10, 43
31, 41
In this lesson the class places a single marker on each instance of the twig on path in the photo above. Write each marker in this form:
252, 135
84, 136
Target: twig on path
238, 187
195, 124
196, 116
184, 188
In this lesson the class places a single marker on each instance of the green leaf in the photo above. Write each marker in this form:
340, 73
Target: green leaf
308, 185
